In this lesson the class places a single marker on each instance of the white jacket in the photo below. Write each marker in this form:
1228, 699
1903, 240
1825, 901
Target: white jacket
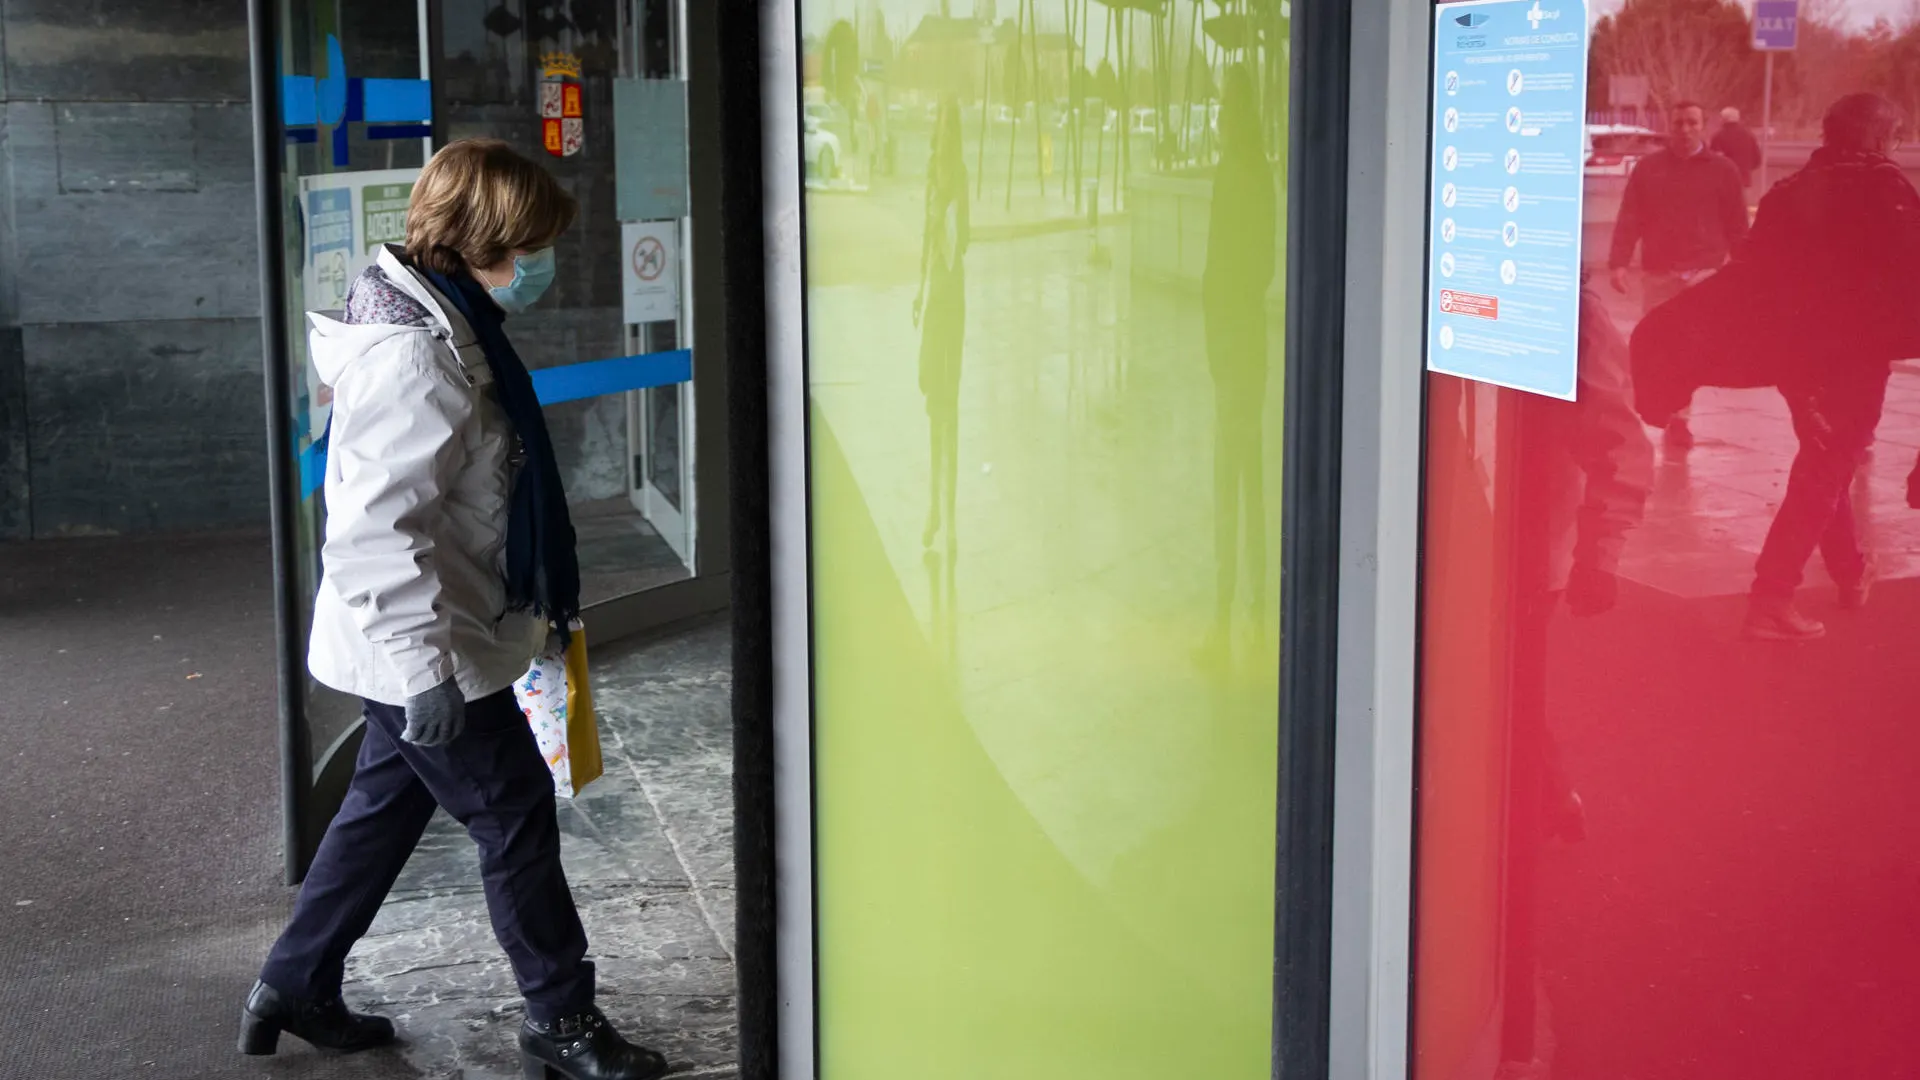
413, 587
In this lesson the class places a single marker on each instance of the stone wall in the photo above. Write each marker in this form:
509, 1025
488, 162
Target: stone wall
131, 393
130, 375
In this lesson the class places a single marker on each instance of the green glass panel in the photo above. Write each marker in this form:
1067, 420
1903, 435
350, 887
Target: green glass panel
1045, 399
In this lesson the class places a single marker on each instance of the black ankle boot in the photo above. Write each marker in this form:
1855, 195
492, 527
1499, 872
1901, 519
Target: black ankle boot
326, 1024
584, 1047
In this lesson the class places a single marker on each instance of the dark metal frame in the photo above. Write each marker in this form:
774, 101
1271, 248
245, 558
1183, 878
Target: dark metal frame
295, 764
1310, 525
724, 75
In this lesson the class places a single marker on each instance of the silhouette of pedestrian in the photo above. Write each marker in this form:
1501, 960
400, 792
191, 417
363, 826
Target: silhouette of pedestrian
1239, 268
1736, 143
1685, 210
1836, 247
940, 311
1585, 471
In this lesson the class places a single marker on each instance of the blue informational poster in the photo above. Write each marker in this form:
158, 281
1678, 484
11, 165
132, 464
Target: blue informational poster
329, 246
1506, 167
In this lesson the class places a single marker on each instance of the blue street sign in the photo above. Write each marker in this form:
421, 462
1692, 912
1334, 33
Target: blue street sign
1776, 25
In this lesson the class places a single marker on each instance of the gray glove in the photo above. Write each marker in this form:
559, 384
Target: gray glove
436, 717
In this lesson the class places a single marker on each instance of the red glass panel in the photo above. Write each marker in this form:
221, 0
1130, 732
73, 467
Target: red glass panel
1670, 789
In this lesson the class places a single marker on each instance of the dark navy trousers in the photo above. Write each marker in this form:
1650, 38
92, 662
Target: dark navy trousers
493, 781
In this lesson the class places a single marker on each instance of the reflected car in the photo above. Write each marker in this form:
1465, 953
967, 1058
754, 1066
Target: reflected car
822, 150
1614, 149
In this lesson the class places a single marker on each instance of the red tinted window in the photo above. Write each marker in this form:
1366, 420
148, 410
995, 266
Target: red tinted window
1670, 709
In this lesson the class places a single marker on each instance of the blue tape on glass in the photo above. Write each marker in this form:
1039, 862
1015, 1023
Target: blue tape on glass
313, 468
569, 382
299, 100
387, 101
597, 378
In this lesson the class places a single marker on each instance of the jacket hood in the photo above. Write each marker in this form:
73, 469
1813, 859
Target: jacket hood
334, 346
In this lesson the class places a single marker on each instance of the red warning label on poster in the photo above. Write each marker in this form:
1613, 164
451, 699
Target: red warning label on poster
1472, 305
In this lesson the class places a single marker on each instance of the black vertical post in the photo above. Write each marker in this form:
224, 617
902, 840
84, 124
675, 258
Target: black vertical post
724, 113
262, 28
436, 48
1310, 553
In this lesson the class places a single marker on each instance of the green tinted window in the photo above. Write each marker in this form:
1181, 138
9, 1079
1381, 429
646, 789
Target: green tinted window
1044, 261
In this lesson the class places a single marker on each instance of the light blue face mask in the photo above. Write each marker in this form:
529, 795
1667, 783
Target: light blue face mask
532, 273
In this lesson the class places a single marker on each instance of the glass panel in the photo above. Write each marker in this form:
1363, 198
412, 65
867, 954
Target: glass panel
663, 443
348, 165
494, 61
1045, 330
1667, 747
339, 173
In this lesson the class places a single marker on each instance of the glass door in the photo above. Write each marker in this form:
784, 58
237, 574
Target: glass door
660, 420
354, 111
356, 117
656, 235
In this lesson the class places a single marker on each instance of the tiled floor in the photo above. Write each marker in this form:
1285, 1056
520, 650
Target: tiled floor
648, 852
620, 551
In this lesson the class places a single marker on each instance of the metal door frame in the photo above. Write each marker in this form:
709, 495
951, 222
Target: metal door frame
678, 525
1381, 451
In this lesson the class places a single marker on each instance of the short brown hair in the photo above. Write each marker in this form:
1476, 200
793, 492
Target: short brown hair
477, 202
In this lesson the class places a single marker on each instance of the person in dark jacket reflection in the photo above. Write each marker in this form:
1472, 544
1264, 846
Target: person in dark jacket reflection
1685, 210
1239, 269
1838, 243
1736, 143
940, 311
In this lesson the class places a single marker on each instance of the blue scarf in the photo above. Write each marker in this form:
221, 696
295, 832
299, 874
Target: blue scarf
543, 571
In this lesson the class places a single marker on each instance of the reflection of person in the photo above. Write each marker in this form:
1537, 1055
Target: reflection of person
1239, 268
1685, 210
1736, 143
1585, 472
1592, 465
1840, 239
940, 310
448, 552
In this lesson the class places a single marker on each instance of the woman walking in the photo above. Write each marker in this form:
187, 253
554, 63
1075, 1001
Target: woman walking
449, 555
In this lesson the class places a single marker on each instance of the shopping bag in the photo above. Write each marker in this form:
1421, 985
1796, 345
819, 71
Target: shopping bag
558, 702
